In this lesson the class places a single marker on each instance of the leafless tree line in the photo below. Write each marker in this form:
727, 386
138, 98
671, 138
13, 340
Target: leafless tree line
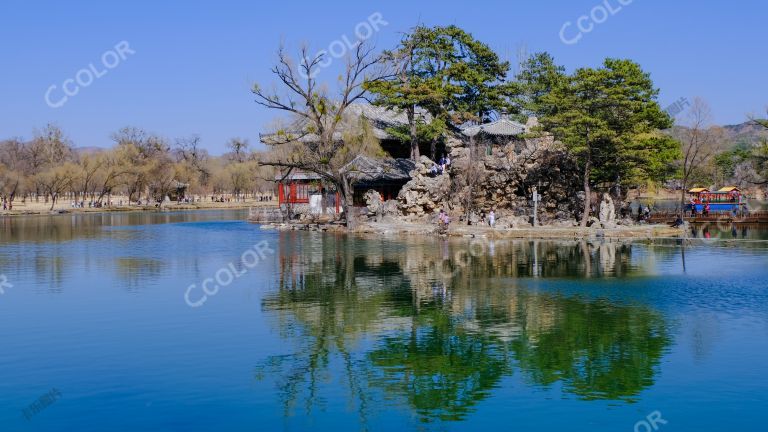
140, 165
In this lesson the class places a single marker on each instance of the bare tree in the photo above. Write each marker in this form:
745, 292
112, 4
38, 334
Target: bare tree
238, 149
189, 151
90, 165
315, 144
146, 162
471, 174
51, 145
49, 148
112, 174
700, 142
14, 167
57, 180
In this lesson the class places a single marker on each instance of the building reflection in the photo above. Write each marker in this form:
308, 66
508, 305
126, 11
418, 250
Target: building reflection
436, 326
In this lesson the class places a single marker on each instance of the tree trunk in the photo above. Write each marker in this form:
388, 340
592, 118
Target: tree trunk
470, 176
323, 199
587, 192
346, 202
414, 139
682, 197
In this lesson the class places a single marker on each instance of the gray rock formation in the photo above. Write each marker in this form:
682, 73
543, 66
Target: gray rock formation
499, 176
425, 193
607, 214
374, 204
378, 209
486, 176
373, 201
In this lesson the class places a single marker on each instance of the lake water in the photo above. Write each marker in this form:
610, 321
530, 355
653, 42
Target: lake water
310, 331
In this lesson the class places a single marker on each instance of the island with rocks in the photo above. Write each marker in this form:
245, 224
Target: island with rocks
436, 136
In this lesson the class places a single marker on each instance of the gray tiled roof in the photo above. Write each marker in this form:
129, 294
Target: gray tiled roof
363, 168
298, 175
381, 118
500, 127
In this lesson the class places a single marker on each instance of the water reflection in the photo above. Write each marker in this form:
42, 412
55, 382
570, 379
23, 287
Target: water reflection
67, 227
430, 328
51, 272
728, 231
135, 271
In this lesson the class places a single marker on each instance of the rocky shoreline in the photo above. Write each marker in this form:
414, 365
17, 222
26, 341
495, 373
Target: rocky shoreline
639, 232
122, 209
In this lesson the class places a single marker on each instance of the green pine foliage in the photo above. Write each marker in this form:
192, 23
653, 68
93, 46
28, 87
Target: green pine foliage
605, 116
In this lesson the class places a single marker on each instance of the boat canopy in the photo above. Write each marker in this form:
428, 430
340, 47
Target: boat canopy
698, 190
728, 189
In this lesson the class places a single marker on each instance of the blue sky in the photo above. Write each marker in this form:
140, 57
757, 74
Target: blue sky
193, 62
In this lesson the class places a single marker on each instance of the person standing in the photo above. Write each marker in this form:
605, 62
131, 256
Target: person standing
492, 218
646, 212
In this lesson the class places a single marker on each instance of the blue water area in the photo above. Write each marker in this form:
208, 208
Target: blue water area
196, 321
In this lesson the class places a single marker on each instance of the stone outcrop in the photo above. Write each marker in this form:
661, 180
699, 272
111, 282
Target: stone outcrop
607, 214
373, 201
425, 193
484, 177
377, 208
502, 178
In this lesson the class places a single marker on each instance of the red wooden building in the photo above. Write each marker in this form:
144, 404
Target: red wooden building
298, 187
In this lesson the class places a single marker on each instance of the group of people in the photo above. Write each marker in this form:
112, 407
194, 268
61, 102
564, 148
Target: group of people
221, 199
443, 164
444, 220
91, 204
692, 208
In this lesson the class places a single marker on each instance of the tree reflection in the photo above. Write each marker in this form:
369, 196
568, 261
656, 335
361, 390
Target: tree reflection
598, 350
136, 272
440, 368
407, 324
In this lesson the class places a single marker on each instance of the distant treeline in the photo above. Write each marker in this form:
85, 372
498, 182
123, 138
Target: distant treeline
140, 165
